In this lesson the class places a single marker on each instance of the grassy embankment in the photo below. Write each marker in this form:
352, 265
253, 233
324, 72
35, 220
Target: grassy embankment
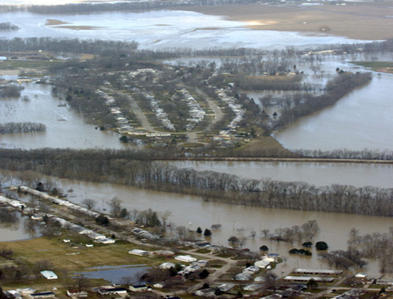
377, 66
27, 64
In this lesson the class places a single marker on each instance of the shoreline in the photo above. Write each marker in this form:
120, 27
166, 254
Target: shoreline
260, 159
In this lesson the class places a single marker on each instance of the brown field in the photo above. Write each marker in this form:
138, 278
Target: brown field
364, 21
65, 256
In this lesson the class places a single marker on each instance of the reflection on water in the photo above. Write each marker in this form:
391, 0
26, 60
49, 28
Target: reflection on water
9, 220
115, 274
14, 231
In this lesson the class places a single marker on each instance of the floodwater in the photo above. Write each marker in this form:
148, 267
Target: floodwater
15, 231
192, 211
360, 120
161, 29
65, 127
314, 173
114, 274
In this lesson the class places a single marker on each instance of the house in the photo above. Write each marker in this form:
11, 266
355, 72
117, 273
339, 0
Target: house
139, 288
185, 258
49, 274
76, 294
139, 252
112, 291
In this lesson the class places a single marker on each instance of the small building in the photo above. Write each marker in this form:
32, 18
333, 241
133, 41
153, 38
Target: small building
139, 252
185, 258
49, 274
305, 279
318, 272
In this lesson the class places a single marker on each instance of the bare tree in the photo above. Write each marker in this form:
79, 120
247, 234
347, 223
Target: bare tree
116, 207
89, 203
265, 232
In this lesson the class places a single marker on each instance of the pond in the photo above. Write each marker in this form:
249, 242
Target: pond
115, 274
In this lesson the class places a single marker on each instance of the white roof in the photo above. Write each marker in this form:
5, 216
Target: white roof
185, 258
49, 274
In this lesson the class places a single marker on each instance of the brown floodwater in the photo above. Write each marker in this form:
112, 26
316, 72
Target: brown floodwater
360, 120
192, 211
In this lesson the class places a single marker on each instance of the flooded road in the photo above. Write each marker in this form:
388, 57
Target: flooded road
65, 127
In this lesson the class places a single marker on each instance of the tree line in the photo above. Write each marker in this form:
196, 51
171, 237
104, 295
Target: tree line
71, 45
118, 6
25, 127
118, 167
8, 26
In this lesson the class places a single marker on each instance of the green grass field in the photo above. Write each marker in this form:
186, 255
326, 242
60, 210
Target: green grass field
375, 65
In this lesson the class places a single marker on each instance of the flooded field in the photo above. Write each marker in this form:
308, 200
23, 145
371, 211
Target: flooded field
65, 127
160, 29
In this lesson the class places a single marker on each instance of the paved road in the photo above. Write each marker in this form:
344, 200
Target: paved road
138, 112
213, 106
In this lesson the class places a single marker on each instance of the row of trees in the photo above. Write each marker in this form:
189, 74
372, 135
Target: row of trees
26, 127
10, 91
365, 154
336, 89
117, 6
113, 166
70, 45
